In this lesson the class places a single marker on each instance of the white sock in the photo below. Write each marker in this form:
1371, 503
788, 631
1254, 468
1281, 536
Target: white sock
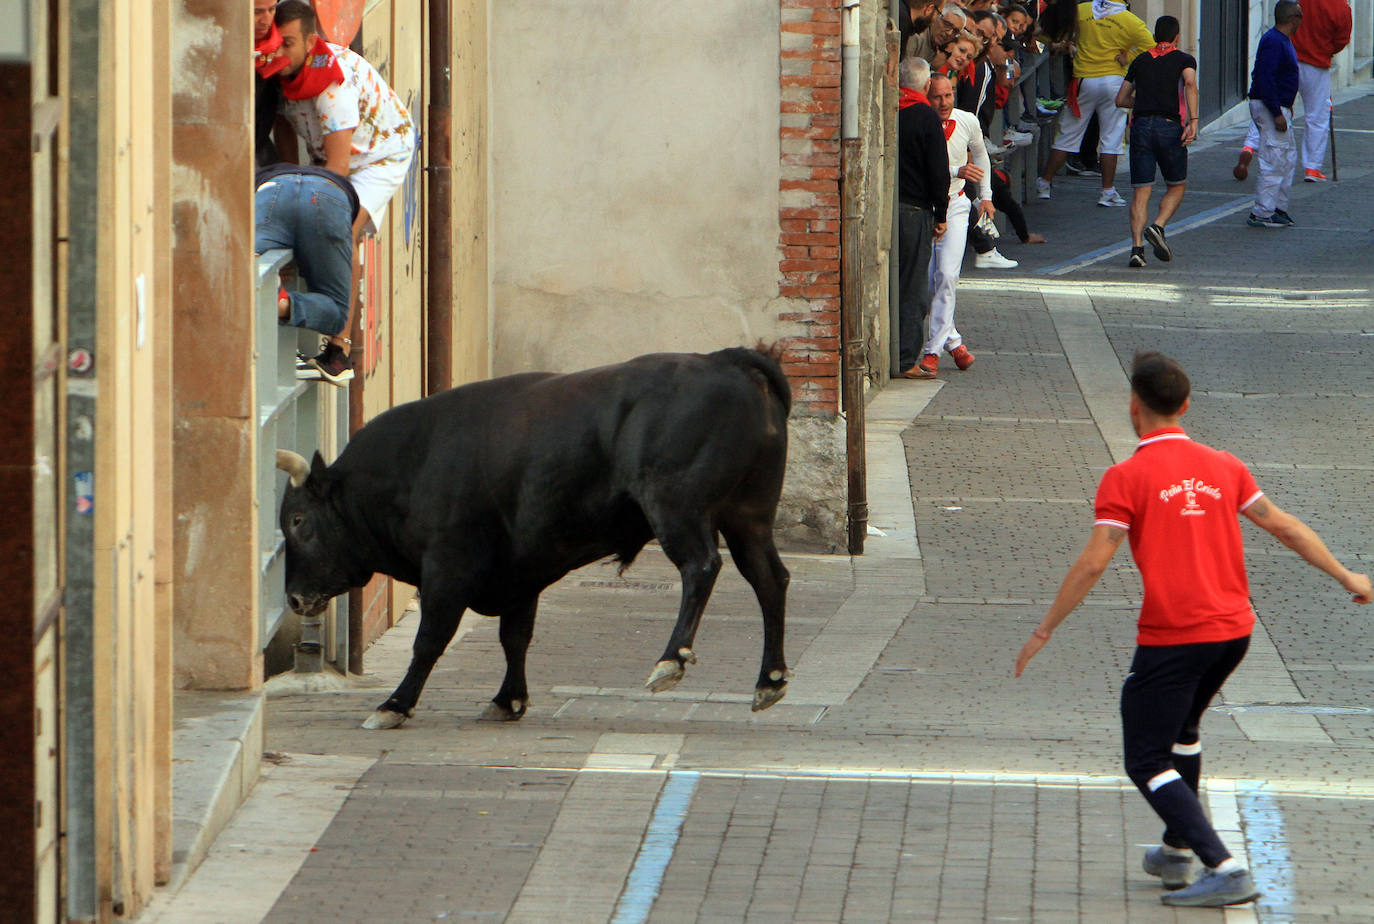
1229, 865
1176, 851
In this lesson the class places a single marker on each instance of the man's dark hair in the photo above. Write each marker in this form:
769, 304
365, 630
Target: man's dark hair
1159, 382
1010, 8
1285, 10
297, 11
1166, 29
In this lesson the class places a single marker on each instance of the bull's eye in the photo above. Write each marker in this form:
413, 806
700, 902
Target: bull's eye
296, 520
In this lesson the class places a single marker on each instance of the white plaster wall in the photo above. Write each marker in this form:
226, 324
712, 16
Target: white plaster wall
634, 158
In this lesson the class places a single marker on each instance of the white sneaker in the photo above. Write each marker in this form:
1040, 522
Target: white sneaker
993, 260
1013, 137
1110, 198
992, 147
1042, 187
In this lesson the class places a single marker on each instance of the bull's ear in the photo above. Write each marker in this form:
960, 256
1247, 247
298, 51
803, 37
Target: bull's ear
321, 479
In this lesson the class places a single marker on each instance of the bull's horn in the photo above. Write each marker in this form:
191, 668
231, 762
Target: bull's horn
294, 464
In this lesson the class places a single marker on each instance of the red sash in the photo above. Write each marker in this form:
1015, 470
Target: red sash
320, 71
1073, 98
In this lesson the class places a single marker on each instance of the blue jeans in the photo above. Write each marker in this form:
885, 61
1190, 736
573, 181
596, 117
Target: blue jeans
310, 216
1157, 141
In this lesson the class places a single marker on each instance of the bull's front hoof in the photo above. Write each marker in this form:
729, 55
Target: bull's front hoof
495, 712
385, 718
767, 696
665, 676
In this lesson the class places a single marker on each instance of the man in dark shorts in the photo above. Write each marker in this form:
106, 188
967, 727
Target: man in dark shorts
1178, 501
1161, 86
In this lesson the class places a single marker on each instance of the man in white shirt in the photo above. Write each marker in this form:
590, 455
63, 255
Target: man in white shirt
352, 123
968, 160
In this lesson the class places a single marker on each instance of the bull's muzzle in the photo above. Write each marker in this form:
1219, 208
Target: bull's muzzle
307, 604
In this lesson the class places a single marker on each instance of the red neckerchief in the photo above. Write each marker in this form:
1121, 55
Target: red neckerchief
320, 71
267, 56
1162, 49
949, 128
910, 97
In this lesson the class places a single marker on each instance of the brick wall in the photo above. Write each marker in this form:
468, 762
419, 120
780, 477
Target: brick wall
809, 201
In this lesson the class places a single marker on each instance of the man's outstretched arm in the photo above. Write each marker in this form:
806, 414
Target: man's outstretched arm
1083, 574
1299, 537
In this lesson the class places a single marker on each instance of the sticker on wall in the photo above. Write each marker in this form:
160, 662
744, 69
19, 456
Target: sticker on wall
84, 490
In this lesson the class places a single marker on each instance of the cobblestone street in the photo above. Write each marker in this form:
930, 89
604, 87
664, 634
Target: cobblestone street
908, 776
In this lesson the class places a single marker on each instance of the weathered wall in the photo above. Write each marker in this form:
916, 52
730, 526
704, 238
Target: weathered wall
215, 415
469, 222
635, 179
644, 161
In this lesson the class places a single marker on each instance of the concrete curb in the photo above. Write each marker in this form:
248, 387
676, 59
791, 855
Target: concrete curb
218, 743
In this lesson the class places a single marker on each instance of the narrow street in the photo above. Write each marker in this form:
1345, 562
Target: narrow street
907, 775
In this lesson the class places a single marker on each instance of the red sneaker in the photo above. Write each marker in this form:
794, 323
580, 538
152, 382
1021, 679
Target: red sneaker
930, 363
1314, 176
962, 357
1242, 168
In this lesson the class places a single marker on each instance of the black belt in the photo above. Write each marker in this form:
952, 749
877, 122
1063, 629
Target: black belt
919, 208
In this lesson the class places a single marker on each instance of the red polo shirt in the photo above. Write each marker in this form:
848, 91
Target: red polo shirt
1179, 501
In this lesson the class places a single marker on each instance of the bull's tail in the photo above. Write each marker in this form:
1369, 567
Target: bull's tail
764, 360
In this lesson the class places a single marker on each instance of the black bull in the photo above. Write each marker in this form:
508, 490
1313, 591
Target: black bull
484, 495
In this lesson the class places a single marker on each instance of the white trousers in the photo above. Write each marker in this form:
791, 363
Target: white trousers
1314, 86
1278, 156
1314, 83
945, 263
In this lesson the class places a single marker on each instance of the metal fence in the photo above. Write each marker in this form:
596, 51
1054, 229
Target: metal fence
302, 416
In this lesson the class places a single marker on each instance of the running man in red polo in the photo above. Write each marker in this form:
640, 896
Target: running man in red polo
1178, 500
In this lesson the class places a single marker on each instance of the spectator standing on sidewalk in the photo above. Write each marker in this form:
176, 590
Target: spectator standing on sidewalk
1161, 87
941, 31
1179, 502
352, 123
968, 160
1273, 87
915, 17
1323, 33
922, 199
1108, 33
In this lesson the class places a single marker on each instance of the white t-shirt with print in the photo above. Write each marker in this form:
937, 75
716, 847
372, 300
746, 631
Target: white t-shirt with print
382, 127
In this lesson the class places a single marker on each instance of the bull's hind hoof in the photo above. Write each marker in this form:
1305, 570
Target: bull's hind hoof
665, 676
495, 712
385, 718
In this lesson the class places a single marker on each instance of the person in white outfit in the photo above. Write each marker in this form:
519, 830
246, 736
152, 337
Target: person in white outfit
968, 160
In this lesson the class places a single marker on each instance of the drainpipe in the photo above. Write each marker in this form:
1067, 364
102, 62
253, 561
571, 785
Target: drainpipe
438, 245
851, 307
